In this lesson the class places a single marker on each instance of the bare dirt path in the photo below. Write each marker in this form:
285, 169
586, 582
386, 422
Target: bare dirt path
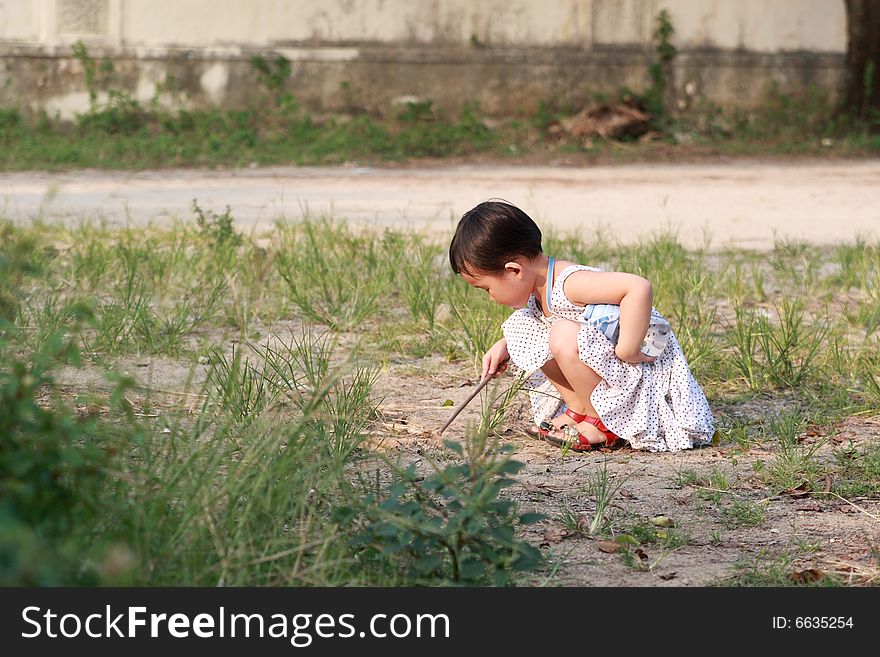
743, 532
742, 203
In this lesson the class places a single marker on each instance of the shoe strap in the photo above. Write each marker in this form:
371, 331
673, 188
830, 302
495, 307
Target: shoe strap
579, 441
577, 417
610, 437
596, 422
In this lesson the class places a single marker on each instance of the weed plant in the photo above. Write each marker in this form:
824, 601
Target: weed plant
477, 320
780, 571
333, 276
603, 487
449, 524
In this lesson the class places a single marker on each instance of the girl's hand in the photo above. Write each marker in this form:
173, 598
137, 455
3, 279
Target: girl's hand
495, 360
635, 358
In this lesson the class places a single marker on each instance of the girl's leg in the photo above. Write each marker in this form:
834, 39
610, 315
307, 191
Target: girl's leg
579, 379
569, 396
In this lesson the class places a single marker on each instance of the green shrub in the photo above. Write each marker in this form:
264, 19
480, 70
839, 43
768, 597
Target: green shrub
450, 526
51, 460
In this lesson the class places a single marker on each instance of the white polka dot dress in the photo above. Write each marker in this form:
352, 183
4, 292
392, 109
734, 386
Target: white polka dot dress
655, 406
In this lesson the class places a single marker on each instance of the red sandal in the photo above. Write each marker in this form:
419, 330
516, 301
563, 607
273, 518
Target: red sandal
577, 442
545, 427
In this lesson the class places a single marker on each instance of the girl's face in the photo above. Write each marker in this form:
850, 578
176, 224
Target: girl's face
510, 287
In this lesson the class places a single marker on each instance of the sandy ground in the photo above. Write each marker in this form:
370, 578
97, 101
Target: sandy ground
802, 535
738, 203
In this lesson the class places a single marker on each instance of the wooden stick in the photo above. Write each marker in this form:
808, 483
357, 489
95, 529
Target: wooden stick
458, 409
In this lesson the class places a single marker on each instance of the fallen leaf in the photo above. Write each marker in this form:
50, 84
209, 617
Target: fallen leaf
641, 554
662, 521
625, 493
626, 539
555, 534
668, 576
827, 483
448, 402
807, 576
609, 547
809, 506
801, 491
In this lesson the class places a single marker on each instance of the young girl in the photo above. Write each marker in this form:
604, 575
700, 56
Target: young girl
610, 391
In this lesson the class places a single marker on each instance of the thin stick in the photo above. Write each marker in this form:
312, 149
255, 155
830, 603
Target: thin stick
460, 407
840, 497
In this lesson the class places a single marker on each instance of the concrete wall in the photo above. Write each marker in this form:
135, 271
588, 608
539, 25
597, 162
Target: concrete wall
355, 55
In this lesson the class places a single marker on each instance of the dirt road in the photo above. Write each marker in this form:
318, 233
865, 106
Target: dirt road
738, 203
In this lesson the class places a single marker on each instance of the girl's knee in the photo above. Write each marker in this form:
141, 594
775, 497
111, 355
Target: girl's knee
563, 340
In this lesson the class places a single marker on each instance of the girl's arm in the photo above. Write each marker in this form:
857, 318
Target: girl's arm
632, 293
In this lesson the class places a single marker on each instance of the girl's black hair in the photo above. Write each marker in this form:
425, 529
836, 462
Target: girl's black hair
490, 235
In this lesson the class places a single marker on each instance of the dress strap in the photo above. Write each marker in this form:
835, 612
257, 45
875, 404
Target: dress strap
549, 287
